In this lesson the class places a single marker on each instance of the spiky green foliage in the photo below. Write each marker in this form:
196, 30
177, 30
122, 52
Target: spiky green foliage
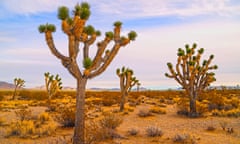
98, 33
127, 81
42, 28
51, 27
109, 34
191, 74
63, 13
89, 30
132, 35
53, 84
85, 13
19, 83
118, 24
87, 63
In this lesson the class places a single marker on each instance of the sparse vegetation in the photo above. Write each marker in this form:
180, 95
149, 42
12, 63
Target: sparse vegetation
153, 131
106, 126
144, 113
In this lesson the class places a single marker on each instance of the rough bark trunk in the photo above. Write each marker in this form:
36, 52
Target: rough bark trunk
193, 107
15, 93
79, 133
122, 101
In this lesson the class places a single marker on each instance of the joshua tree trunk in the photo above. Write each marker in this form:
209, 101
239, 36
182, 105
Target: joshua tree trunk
193, 108
15, 93
127, 81
123, 96
78, 137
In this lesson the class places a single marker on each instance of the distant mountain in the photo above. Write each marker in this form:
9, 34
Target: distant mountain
5, 85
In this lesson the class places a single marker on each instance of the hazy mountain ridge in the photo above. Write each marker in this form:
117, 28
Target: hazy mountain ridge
6, 85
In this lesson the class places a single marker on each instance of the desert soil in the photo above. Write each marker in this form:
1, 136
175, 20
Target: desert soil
170, 123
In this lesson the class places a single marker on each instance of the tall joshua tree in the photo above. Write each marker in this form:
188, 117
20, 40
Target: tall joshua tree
77, 32
53, 85
127, 81
194, 76
19, 83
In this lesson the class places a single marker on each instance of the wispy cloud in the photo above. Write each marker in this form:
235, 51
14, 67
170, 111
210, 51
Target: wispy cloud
132, 9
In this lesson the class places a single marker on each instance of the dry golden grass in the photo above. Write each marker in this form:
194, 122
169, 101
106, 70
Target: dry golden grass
174, 128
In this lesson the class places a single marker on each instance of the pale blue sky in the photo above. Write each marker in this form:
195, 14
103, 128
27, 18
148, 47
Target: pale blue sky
162, 26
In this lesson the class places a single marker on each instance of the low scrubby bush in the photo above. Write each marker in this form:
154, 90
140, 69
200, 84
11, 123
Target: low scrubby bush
144, 113
133, 131
67, 116
158, 110
111, 120
23, 114
184, 139
153, 131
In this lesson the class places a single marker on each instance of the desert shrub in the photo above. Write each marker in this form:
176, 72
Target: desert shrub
224, 124
211, 128
94, 101
1, 97
158, 110
44, 117
45, 129
33, 94
153, 131
2, 121
110, 120
67, 116
144, 113
102, 129
235, 102
133, 131
22, 129
229, 113
109, 102
23, 114
183, 106
184, 139
202, 107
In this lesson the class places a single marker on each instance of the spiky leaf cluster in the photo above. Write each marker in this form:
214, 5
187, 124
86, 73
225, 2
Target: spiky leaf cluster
46, 27
190, 72
87, 63
53, 84
132, 35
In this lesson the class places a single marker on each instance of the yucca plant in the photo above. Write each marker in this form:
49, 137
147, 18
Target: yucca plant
76, 31
127, 81
19, 83
191, 74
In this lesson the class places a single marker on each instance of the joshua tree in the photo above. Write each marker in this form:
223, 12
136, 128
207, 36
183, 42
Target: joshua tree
138, 86
127, 81
19, 83
53, 85
191, 74
76, 31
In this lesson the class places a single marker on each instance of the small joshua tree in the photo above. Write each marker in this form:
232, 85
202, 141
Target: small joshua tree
191, 74
77, 32
127, 81
19, 83
53, 85
138, 86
